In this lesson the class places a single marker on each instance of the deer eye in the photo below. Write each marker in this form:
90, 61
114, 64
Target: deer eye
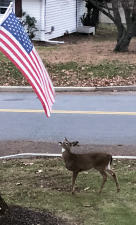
66, 143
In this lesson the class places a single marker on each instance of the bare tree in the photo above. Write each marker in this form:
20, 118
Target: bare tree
125, 31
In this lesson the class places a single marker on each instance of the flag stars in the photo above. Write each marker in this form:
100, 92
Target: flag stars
12, 25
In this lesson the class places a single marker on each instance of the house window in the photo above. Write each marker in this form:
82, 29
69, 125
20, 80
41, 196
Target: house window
4, 4
18, 8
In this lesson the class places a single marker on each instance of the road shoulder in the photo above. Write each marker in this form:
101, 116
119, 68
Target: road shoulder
17, 147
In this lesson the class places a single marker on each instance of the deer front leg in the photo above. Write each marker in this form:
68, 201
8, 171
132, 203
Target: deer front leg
75, 173
104, 180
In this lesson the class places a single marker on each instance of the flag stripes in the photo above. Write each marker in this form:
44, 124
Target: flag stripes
24, 72
46, 78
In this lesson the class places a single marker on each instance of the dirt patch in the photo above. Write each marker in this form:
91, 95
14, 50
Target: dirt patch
84, 50
97, 63
22, 216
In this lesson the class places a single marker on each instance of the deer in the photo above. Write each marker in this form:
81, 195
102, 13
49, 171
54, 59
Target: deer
83, 162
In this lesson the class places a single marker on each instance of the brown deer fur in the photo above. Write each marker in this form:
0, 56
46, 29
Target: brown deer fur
83, 162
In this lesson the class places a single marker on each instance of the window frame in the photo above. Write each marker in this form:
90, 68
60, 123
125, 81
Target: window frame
4, 7
17, 6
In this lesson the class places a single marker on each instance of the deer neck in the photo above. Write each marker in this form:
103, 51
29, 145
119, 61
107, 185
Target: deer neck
66, 154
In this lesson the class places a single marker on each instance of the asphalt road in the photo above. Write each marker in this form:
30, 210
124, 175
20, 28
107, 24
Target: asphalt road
91, 118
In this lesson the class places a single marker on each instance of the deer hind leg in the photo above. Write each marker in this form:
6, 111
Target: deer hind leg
104, 180
114, 177
75, 173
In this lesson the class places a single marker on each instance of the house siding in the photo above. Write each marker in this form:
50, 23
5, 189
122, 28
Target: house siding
32, 8
1, 15
80, 11
42, 20
62, 16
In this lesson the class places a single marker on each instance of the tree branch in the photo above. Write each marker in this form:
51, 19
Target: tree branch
104, 5
127, 11
98, 5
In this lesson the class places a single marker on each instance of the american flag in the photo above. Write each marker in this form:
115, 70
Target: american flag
15, 44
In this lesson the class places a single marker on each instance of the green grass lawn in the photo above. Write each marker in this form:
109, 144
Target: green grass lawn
73, 74
102, 70
68, 74
45, 184
105, 32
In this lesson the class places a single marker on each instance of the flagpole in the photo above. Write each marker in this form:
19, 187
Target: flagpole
6, 13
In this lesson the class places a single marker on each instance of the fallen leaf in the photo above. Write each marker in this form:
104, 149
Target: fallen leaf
87, 205
17, 184
86, 188
39, 171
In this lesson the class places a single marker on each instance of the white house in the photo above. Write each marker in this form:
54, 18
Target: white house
54, 17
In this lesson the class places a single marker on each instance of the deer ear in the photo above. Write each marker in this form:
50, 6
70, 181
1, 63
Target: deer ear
60, 143
65, 139
74, 143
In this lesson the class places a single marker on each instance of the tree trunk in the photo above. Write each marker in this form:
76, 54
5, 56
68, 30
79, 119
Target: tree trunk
124, 34
122, 45
3, 206
123, 41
